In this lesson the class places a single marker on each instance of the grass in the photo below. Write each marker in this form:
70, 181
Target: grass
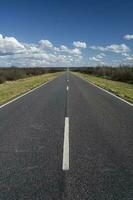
121, 89
12, 89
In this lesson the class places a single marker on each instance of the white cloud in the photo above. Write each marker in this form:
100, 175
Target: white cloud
75, 51
95, 59
115, 48
125, 54
1, 36
79, 44
13, 52
31, 48
9, 45
64, 48
44, 53
128, 37
129, 58
56, 49
98, 58
46, 43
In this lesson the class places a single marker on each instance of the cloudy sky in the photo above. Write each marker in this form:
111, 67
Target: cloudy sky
66, 32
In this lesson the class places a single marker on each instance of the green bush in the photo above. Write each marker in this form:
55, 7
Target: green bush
122, 73
14, 73
2, 79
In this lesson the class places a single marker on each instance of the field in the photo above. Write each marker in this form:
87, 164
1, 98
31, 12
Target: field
121, 89
12, 89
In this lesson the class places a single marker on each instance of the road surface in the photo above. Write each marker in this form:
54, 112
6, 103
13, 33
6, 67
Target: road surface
67, 140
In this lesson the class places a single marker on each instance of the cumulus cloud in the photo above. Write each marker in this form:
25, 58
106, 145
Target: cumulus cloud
98, 58
46, 43
9, 46
74, 51
44, 53
115, 48
125, 54
31, 48
1, 36
64, 48
79, 44
95, 59
128, 37
129, 58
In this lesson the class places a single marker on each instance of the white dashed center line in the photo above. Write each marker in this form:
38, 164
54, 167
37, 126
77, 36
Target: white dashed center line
65, 165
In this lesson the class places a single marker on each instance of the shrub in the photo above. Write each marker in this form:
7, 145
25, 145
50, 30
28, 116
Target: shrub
122, 73
14, 73
2, 79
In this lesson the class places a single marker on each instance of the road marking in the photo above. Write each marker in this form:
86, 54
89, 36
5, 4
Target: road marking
106, 91
67, 88
65, 165
67, 80
25, 94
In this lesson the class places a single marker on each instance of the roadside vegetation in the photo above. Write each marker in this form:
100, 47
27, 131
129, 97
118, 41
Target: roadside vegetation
11, 89
14, 73
118, 80
122, 73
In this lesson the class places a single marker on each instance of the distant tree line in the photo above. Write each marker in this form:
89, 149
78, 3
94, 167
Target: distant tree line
122, 73
14, 73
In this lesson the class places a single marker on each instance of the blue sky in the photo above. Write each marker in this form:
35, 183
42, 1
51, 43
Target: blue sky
66, 33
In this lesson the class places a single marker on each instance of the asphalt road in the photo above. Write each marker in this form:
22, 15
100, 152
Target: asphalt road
100, 144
